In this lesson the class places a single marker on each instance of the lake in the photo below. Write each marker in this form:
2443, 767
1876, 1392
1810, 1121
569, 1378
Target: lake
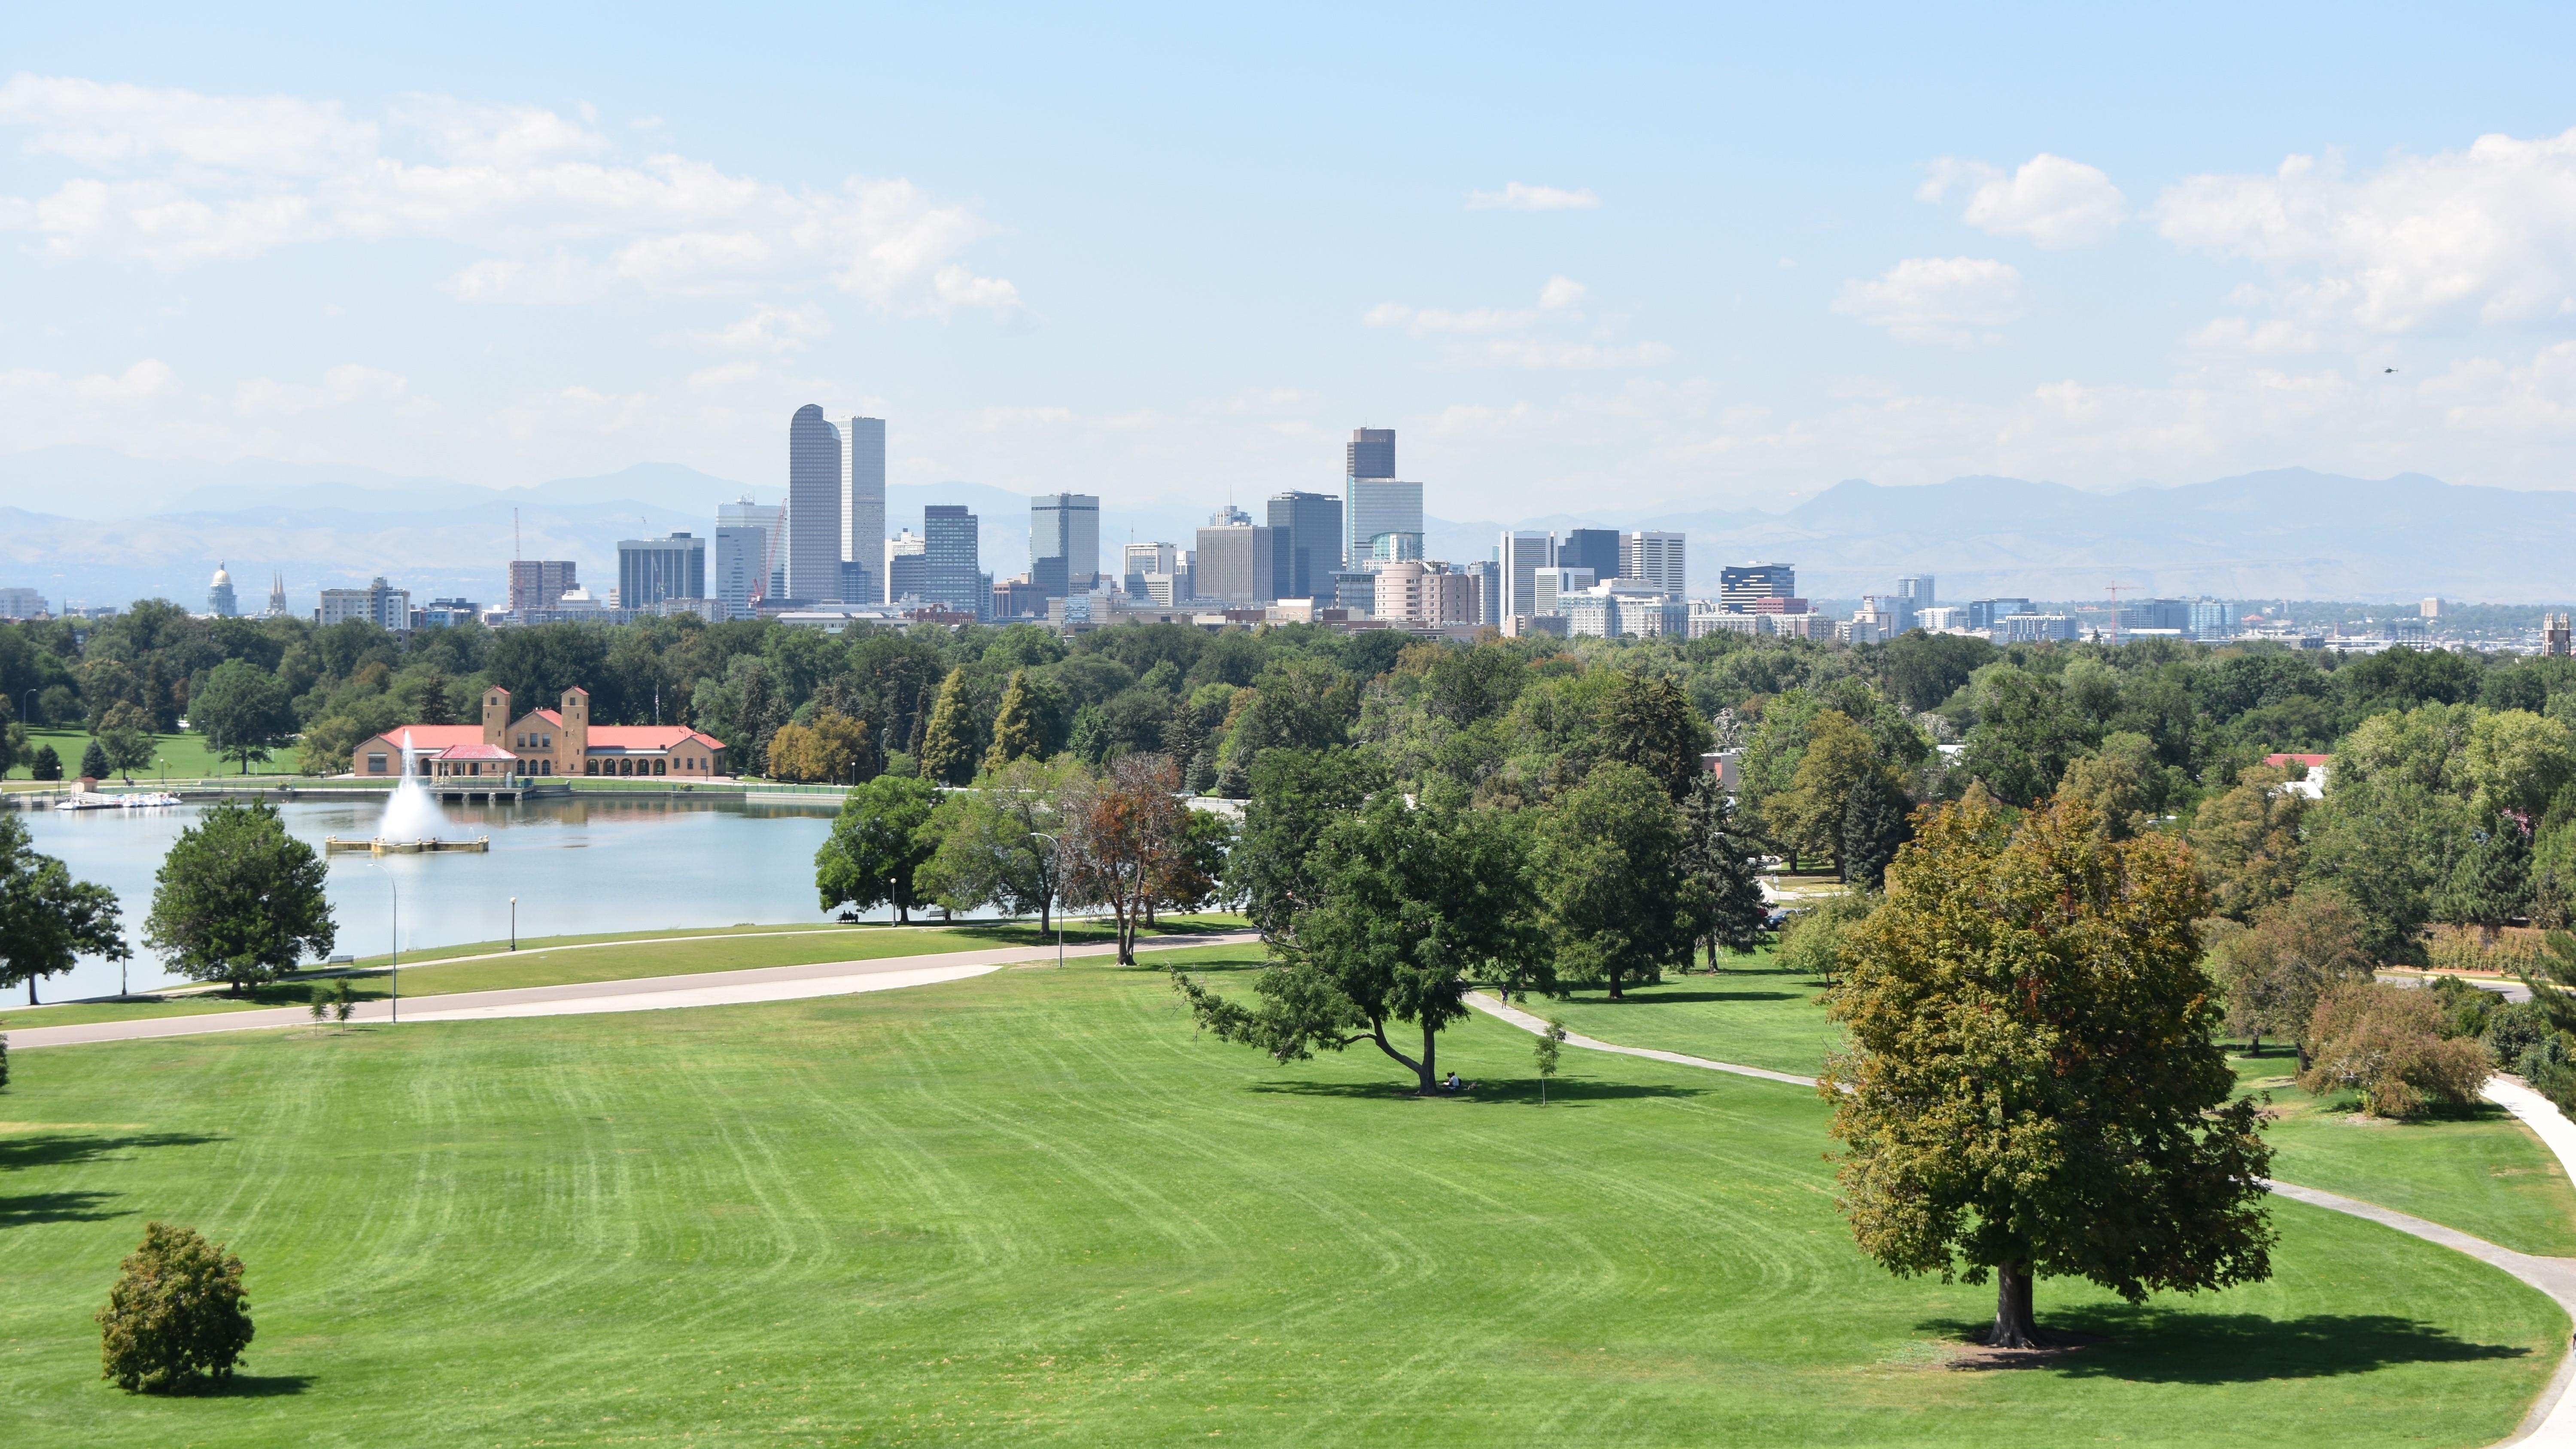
578, 866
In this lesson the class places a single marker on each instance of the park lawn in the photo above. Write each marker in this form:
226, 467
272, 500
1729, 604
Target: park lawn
1039, 1207
186, 755
605, 959
2480, 1171
1751, 1012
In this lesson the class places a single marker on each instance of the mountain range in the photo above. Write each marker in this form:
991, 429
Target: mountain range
92, 526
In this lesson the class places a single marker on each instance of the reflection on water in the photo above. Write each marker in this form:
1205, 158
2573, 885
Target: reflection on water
577, 865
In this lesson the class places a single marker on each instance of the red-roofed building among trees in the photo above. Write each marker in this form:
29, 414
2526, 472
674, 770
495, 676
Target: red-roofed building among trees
560, 741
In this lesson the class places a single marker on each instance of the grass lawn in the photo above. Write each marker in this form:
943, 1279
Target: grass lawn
1039, 1207
576, 959
2482, 1172
187, 755
1751, 1012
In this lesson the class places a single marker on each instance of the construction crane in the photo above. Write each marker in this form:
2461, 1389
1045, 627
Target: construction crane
2114, 591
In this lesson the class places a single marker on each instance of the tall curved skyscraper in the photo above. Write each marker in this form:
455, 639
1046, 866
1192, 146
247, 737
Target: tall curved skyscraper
813, 507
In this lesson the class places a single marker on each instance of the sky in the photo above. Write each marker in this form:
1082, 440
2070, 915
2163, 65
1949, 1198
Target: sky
1592, 257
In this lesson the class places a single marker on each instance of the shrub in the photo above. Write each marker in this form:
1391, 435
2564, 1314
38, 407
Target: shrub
176, 1316
2385, 1044
2515, 1027
2549, 1065
1811, 943
2466, 1009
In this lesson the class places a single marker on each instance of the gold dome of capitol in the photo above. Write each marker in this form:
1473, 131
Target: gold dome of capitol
221, 577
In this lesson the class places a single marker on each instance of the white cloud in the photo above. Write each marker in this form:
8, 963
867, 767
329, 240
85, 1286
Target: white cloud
2240, 334
1560, 293
774, 329
343, 385
2055, 202
186, 179
1517, 197
1954, 300
2477, 236
1560, 301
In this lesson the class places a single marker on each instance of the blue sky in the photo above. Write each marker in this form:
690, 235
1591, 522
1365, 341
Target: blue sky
1581, 257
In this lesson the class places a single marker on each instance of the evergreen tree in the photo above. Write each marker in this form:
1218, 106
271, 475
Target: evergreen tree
2490, 883
1015, 725
1650, 724
46, 764
1722, 859
1874, 825
948, 742
94, 762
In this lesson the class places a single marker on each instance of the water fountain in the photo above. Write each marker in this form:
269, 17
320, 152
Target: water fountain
412, 820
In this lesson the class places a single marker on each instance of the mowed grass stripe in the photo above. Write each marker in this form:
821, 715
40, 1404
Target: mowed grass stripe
1037, 1207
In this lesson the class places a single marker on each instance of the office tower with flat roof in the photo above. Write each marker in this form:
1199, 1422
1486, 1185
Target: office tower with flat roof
537, 583
1489, 589
1522, 554
742, 557
770, 580
1064, 543
1140, 561
1236, 563
1596, 549
814, 531
952, 560
863, 478
1913, 596
1656, 558
1306, 535
905, 566
1381, 518
650, 570
1370, 453
1741, 586
385, 607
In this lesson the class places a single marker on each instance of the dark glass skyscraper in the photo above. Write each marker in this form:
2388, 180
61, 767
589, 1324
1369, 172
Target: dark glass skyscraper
1596, 549
1305, 543
814, 530
952, 560
1371, 453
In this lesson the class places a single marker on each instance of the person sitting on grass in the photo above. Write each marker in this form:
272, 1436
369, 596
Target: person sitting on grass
1452, 1084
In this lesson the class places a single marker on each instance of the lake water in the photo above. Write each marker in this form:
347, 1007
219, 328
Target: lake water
578, 866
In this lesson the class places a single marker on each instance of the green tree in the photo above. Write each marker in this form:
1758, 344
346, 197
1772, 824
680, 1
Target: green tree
94, 765
1412, 903
2517, 761
176, 1317
2121, 782
238, 899
1649, 723
2025, 737
878, 844
1015, 727
1544, 1055
243, 712
2247, 844
948, 744
1840, 766
48, 919
2032, 1085
1297, 795
2295, 950
988, 841
1721, 858
125, 738
45, 764
1877, 821
2490, 883
2389, 844
1620, 904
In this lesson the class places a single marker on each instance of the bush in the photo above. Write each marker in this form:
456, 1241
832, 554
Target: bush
2515, 1027
2549, 1065
2466, 1010
1811, 943
176, 1316
2385, 1043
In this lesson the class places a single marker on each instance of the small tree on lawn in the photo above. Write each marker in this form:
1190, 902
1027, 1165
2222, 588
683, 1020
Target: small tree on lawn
877, 845
94, 764
48, 919
1411, 904
238, 899
125, 739
2033, 1085
176, 1316
1549, 1041
1127, 835
244, 712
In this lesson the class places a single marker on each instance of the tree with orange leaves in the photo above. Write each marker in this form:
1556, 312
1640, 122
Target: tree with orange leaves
1127, 840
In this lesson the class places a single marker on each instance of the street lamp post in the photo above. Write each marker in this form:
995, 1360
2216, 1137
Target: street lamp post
514, 923
1055, 868
393, 974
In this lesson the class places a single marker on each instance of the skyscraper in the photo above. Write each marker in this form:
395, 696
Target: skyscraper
1383, 517
1370, 453
769, 579
1064, 543
863, 504
742, 556
952, 560
1520, 557
539, 583
1657, 559
1596, 549
1236, 563
650, 570
1913, 596
1741, 586
1306, 543
905, 567
814, 531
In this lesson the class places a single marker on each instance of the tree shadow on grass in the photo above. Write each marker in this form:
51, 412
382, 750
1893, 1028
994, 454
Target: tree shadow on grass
1565, 1091
2183, 1346
1653, 998
29, 1209
59, 1149
258, 1386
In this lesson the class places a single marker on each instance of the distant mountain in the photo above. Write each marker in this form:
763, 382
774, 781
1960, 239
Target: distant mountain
94, 526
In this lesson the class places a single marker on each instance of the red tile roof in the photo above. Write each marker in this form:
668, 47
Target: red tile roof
2313, 762
648, 737
476, 751
434, 737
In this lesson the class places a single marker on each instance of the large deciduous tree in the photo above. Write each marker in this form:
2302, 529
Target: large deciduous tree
1296, 795
2295, 950
125, 738
1613, 865
238, 899
1127, 833
2032, 1087
878, 844
47, 918
1000, 842
1649, 723
833, 748
243, 712
1410, 903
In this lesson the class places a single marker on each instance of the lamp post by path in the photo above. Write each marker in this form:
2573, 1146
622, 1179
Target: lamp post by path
1055, 870
514, 923
393, 974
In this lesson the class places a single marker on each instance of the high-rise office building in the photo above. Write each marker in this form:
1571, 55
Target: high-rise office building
742, 557
1522, 554
814, 530
770, 579
1915, 592
386, 608
1991, 613
1138, 561
1236, 563
1306, 539
1489, 590
650, 570
1655, 558
952, 560
906, 567
1382, 518
1596, 549
1369, 454
537, 583
863, 506
1064, 543
1741, 586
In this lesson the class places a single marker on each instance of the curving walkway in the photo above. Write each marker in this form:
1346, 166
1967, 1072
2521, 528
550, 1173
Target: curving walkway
2551, 1422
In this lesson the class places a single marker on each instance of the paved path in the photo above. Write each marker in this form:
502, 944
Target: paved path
656, 993
2551, 1422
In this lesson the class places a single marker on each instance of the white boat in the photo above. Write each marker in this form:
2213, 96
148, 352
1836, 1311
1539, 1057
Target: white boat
95, 801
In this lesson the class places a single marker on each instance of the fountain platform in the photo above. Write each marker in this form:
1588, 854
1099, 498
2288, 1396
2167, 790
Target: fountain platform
334, 845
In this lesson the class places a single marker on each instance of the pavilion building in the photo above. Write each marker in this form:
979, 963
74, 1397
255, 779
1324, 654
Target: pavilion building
545, 742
